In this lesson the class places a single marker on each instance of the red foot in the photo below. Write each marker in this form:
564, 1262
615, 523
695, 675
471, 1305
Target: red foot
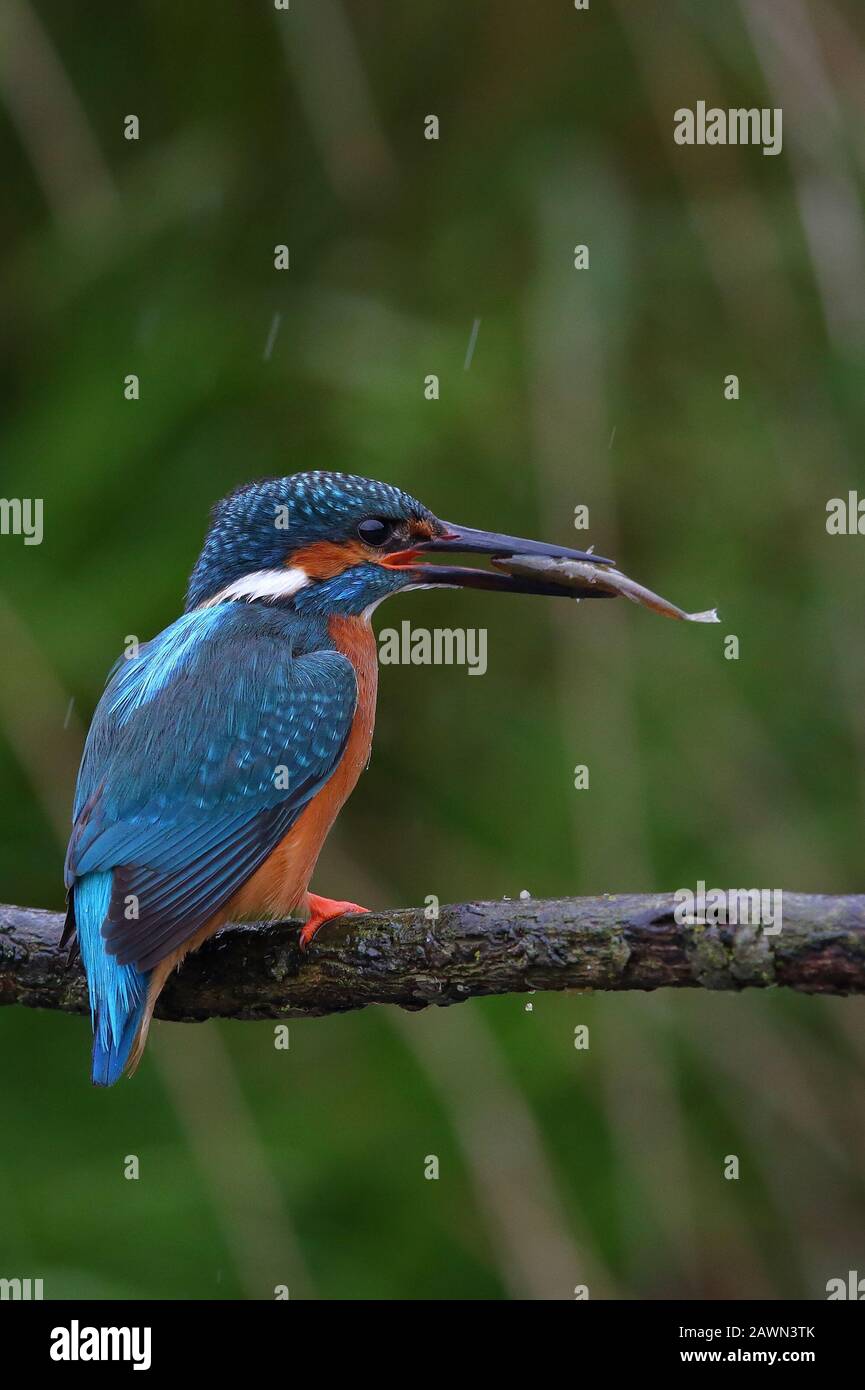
322, 910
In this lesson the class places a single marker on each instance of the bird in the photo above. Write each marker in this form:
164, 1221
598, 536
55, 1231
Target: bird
221, 752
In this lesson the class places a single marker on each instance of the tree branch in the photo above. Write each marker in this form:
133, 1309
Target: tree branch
608, 943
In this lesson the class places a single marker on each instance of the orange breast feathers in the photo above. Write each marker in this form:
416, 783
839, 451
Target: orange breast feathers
280, 885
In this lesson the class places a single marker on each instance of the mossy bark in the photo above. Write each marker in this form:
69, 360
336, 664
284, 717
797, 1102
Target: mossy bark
613, 942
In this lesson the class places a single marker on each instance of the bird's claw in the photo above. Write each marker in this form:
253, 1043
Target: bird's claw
324, 910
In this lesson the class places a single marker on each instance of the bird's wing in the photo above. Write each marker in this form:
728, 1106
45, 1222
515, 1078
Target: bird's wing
202, 754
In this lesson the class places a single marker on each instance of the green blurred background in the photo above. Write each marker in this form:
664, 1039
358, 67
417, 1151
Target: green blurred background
604, 387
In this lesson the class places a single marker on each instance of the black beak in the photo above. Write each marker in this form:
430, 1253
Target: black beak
471, 542
467, 540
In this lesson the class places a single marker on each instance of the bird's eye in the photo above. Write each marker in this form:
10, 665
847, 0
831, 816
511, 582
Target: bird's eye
375, 531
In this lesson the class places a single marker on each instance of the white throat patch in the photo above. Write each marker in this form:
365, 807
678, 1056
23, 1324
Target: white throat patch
282, 583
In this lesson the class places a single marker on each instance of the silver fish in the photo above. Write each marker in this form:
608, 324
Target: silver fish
594, 581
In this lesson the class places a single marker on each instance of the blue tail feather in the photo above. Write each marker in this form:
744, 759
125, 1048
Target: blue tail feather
110, 1057
118, 993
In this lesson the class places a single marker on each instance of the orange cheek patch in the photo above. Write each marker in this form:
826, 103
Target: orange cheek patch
324, 559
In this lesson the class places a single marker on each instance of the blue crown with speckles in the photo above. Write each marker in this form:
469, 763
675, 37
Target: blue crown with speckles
261, 524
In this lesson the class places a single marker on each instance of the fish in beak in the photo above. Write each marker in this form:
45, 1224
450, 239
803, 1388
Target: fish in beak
466, 540
532, 567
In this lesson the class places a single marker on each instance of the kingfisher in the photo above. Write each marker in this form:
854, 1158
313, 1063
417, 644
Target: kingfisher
221, 752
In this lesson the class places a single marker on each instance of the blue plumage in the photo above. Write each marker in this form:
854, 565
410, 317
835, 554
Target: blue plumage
202, 753
254, 527
117, 992
208, 744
